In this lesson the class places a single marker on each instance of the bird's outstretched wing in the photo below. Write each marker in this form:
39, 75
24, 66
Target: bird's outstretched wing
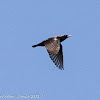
54, 49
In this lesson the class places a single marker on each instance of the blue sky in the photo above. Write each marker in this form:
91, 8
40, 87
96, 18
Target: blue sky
29, 71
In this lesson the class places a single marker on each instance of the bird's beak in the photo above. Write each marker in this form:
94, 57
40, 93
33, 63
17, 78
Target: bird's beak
69, 35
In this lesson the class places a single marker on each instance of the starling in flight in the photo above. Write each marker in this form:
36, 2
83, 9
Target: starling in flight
54, 48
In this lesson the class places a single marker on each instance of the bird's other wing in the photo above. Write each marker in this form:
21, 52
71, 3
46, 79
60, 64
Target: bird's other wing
57, 58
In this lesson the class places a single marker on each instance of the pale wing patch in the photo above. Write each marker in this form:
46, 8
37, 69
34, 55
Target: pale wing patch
53, 46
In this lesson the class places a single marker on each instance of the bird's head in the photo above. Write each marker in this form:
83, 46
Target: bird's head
63, 37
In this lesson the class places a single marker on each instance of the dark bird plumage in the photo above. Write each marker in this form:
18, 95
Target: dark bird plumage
54, 48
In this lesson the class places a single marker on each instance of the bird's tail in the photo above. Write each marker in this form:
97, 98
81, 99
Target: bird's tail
34, 45
40, 44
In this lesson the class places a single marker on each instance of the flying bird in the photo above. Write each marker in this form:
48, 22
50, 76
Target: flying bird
54, 48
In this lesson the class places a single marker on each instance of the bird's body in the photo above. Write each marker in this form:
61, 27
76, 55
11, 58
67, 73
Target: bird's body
54, 48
